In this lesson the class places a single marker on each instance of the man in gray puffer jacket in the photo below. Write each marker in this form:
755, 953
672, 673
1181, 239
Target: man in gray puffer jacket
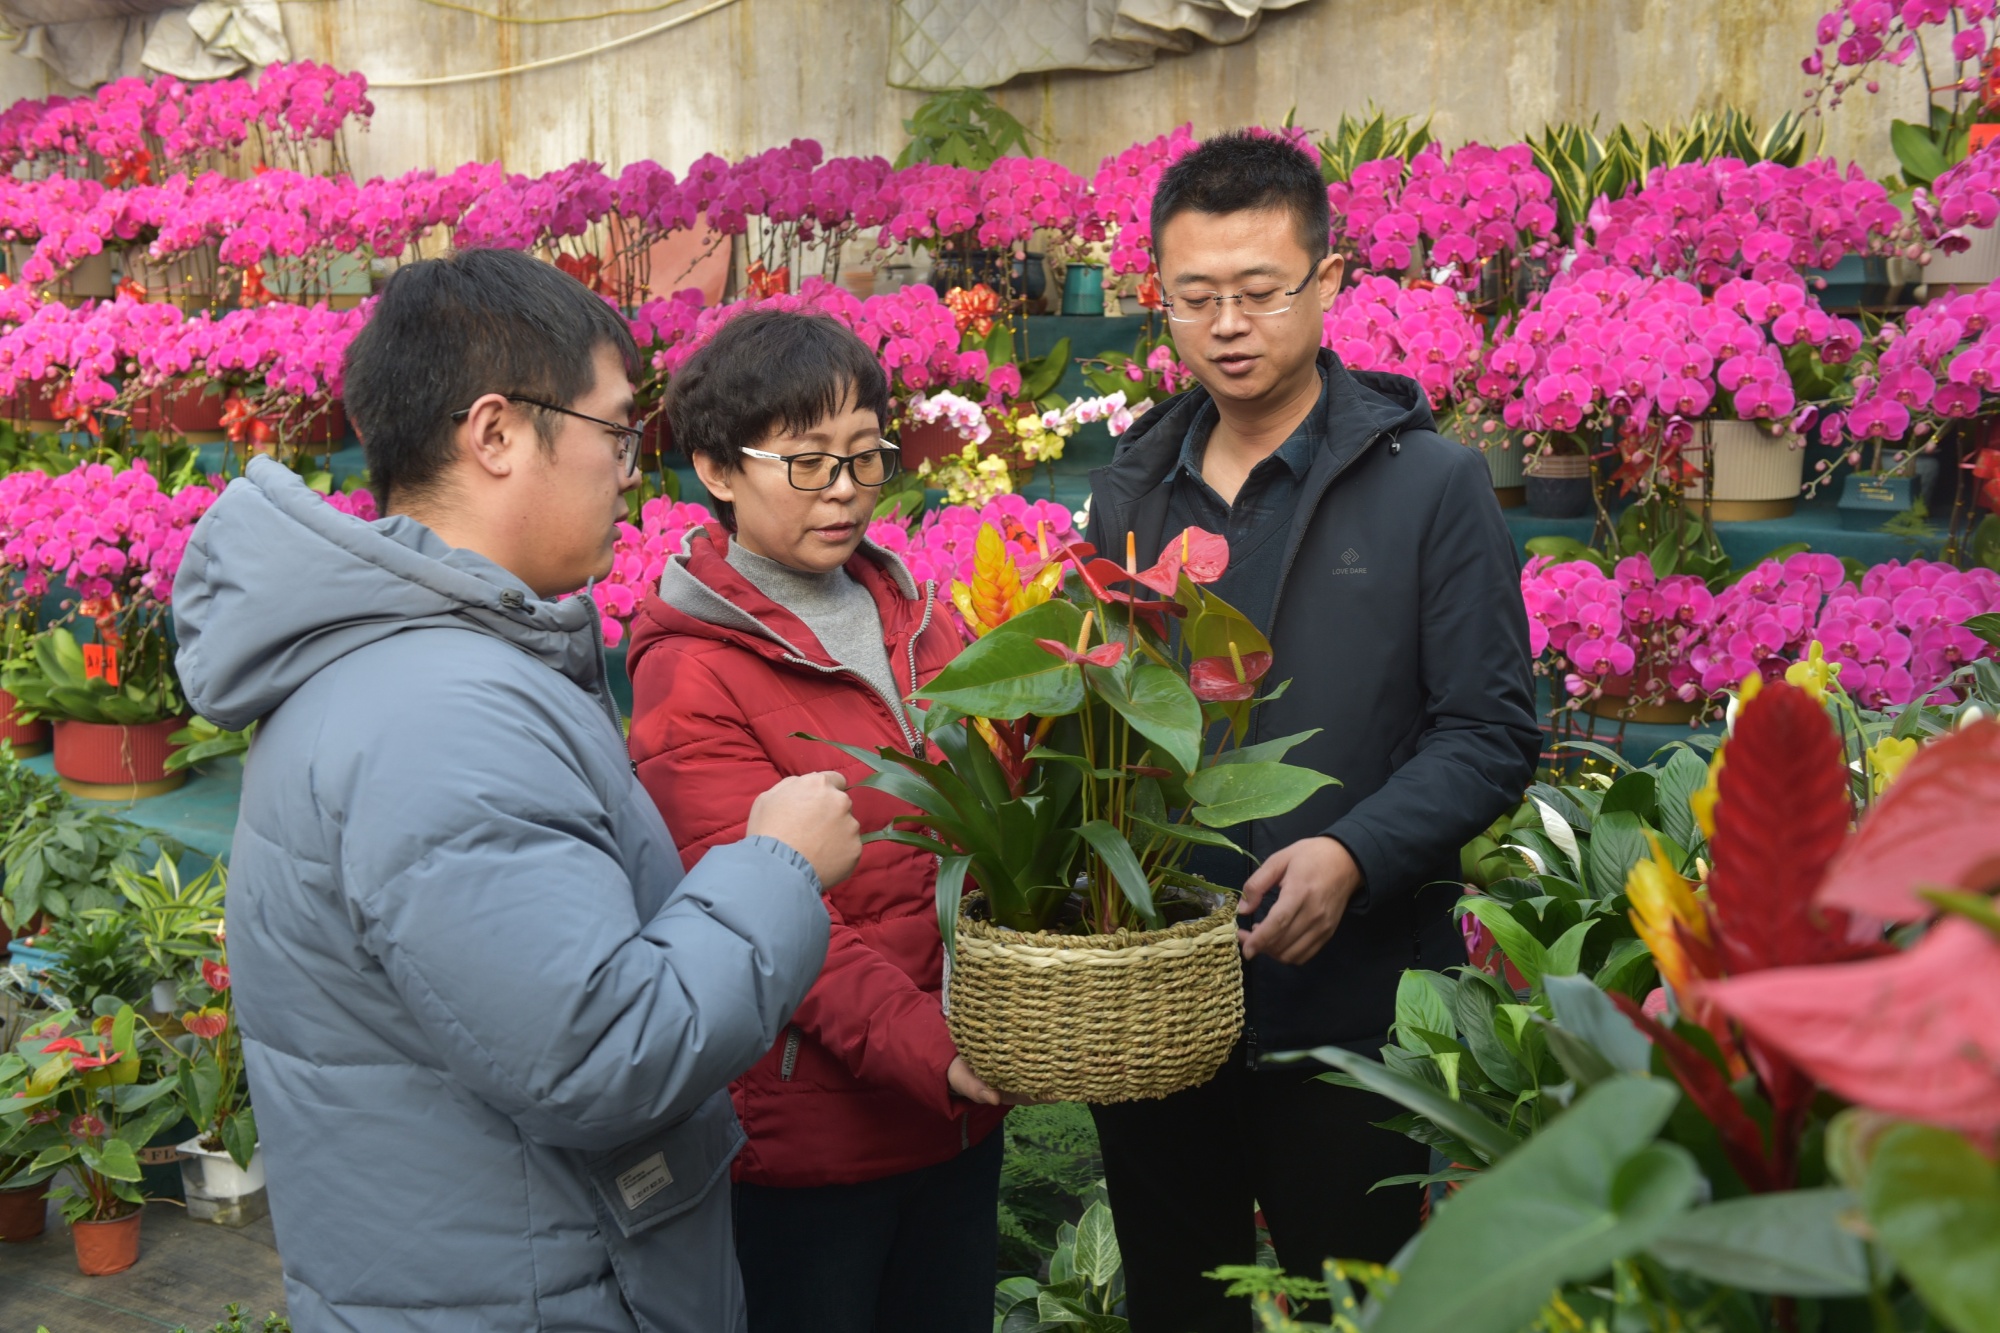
488, 1025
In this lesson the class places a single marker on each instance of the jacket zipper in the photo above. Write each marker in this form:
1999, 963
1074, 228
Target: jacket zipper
791, 1056
911, 737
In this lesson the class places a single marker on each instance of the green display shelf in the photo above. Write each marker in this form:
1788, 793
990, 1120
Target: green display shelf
1816, 523
201, 813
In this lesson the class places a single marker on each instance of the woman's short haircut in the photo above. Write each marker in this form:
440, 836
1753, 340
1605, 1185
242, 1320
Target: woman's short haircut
1243, 171
444, 332
765, 372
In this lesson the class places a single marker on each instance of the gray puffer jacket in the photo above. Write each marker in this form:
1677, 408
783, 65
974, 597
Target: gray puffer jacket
488, 1025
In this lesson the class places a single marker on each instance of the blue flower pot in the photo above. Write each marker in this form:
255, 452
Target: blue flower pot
1083, 290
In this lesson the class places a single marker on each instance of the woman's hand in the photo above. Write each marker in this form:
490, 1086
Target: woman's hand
964, 1083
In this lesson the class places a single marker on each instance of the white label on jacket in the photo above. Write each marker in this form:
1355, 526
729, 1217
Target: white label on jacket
643, 1181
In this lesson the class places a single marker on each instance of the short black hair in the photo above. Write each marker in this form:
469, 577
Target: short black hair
444, 331
765, 369
1242, 171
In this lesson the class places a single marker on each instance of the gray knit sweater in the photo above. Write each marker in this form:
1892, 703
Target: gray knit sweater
837, 609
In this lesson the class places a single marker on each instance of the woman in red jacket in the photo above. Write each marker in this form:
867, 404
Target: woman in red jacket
867, 1192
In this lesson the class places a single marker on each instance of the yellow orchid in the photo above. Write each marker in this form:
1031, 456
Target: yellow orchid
1886, 759
1814, 674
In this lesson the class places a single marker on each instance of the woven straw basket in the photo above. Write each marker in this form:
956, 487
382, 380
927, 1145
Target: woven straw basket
1097, 1018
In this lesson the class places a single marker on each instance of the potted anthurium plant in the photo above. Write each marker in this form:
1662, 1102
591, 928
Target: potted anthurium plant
222, 1168
1090, 735
83, 1107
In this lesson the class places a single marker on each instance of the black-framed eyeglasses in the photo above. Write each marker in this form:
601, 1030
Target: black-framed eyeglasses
1201, 306
628, 437
819, 472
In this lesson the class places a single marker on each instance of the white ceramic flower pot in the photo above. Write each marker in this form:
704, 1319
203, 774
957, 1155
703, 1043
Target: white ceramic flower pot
220, 1191
1756, 475
1974, 267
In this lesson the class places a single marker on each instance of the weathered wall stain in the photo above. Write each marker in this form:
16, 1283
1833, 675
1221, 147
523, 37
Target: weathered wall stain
761, 72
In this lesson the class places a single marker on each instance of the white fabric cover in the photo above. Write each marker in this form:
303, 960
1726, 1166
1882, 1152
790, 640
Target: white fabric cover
91, 42
984, 43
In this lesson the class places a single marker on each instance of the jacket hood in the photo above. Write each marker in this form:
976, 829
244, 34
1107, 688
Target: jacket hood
277, 584
703, 595
1358, 406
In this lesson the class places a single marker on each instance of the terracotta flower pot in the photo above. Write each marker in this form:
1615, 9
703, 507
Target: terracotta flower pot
183, 408
935, 441
23, 1213
104, 1248
103, 762
28, 738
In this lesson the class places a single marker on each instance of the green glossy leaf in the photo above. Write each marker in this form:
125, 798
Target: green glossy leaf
1934, 1203
1422, 1003
1230, 794
1591, 1188
117, 1160
1617, 843
1921, 158
1483, 1136
239, 1136
1195, 833
1158, 704
1789, 1244
1633, 793
1986, 627
1566, 952
1585, 1012
1476, 1011
1264, 751
1530, 959
1118, 857
1097, 1259
950, 888
1006, 676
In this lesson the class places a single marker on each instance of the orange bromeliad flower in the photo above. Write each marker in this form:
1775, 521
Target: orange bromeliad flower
998, 592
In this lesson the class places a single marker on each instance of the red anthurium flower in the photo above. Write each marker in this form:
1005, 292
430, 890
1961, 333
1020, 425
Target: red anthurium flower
215, 974
1227, 679
1104, 655
99, 1061
1910, 1034
208, 1024
63, 1046
1927, 830
86, 1127
45, 1115
1200, 554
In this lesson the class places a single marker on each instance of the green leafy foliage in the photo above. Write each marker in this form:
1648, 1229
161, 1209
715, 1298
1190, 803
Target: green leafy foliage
62, 857
1370, 137
172, 922
961, 127
1051, 1172
201, 740
53, 681
232, 1321
1085, 1286
1590, 1189
1934, 1203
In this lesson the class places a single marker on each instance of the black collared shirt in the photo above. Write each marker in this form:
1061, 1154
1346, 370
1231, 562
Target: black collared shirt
1256, 524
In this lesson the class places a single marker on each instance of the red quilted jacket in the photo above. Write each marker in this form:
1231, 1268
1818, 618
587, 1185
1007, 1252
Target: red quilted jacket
722, 679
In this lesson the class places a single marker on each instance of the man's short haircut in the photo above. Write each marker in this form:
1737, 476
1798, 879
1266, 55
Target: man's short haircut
444, 332
1243, 171
769, 369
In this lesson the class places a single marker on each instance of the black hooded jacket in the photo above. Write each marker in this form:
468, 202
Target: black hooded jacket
1398, 621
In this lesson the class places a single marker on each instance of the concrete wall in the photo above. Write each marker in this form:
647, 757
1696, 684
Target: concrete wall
758, 72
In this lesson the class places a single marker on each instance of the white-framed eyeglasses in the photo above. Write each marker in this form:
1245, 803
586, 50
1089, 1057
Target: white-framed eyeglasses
1200, 306
819, 471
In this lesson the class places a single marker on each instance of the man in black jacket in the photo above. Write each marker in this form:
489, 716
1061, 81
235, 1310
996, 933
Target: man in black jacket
1371, 551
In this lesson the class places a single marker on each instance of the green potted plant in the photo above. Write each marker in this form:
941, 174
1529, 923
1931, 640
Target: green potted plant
222, 1168
87, 1111
1085, 749
173, 923
23, 1211
61, 856
114, 706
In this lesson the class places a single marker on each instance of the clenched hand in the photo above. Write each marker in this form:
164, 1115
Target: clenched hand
814, 817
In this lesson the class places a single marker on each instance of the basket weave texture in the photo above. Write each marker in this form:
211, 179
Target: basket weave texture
1097, 1018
